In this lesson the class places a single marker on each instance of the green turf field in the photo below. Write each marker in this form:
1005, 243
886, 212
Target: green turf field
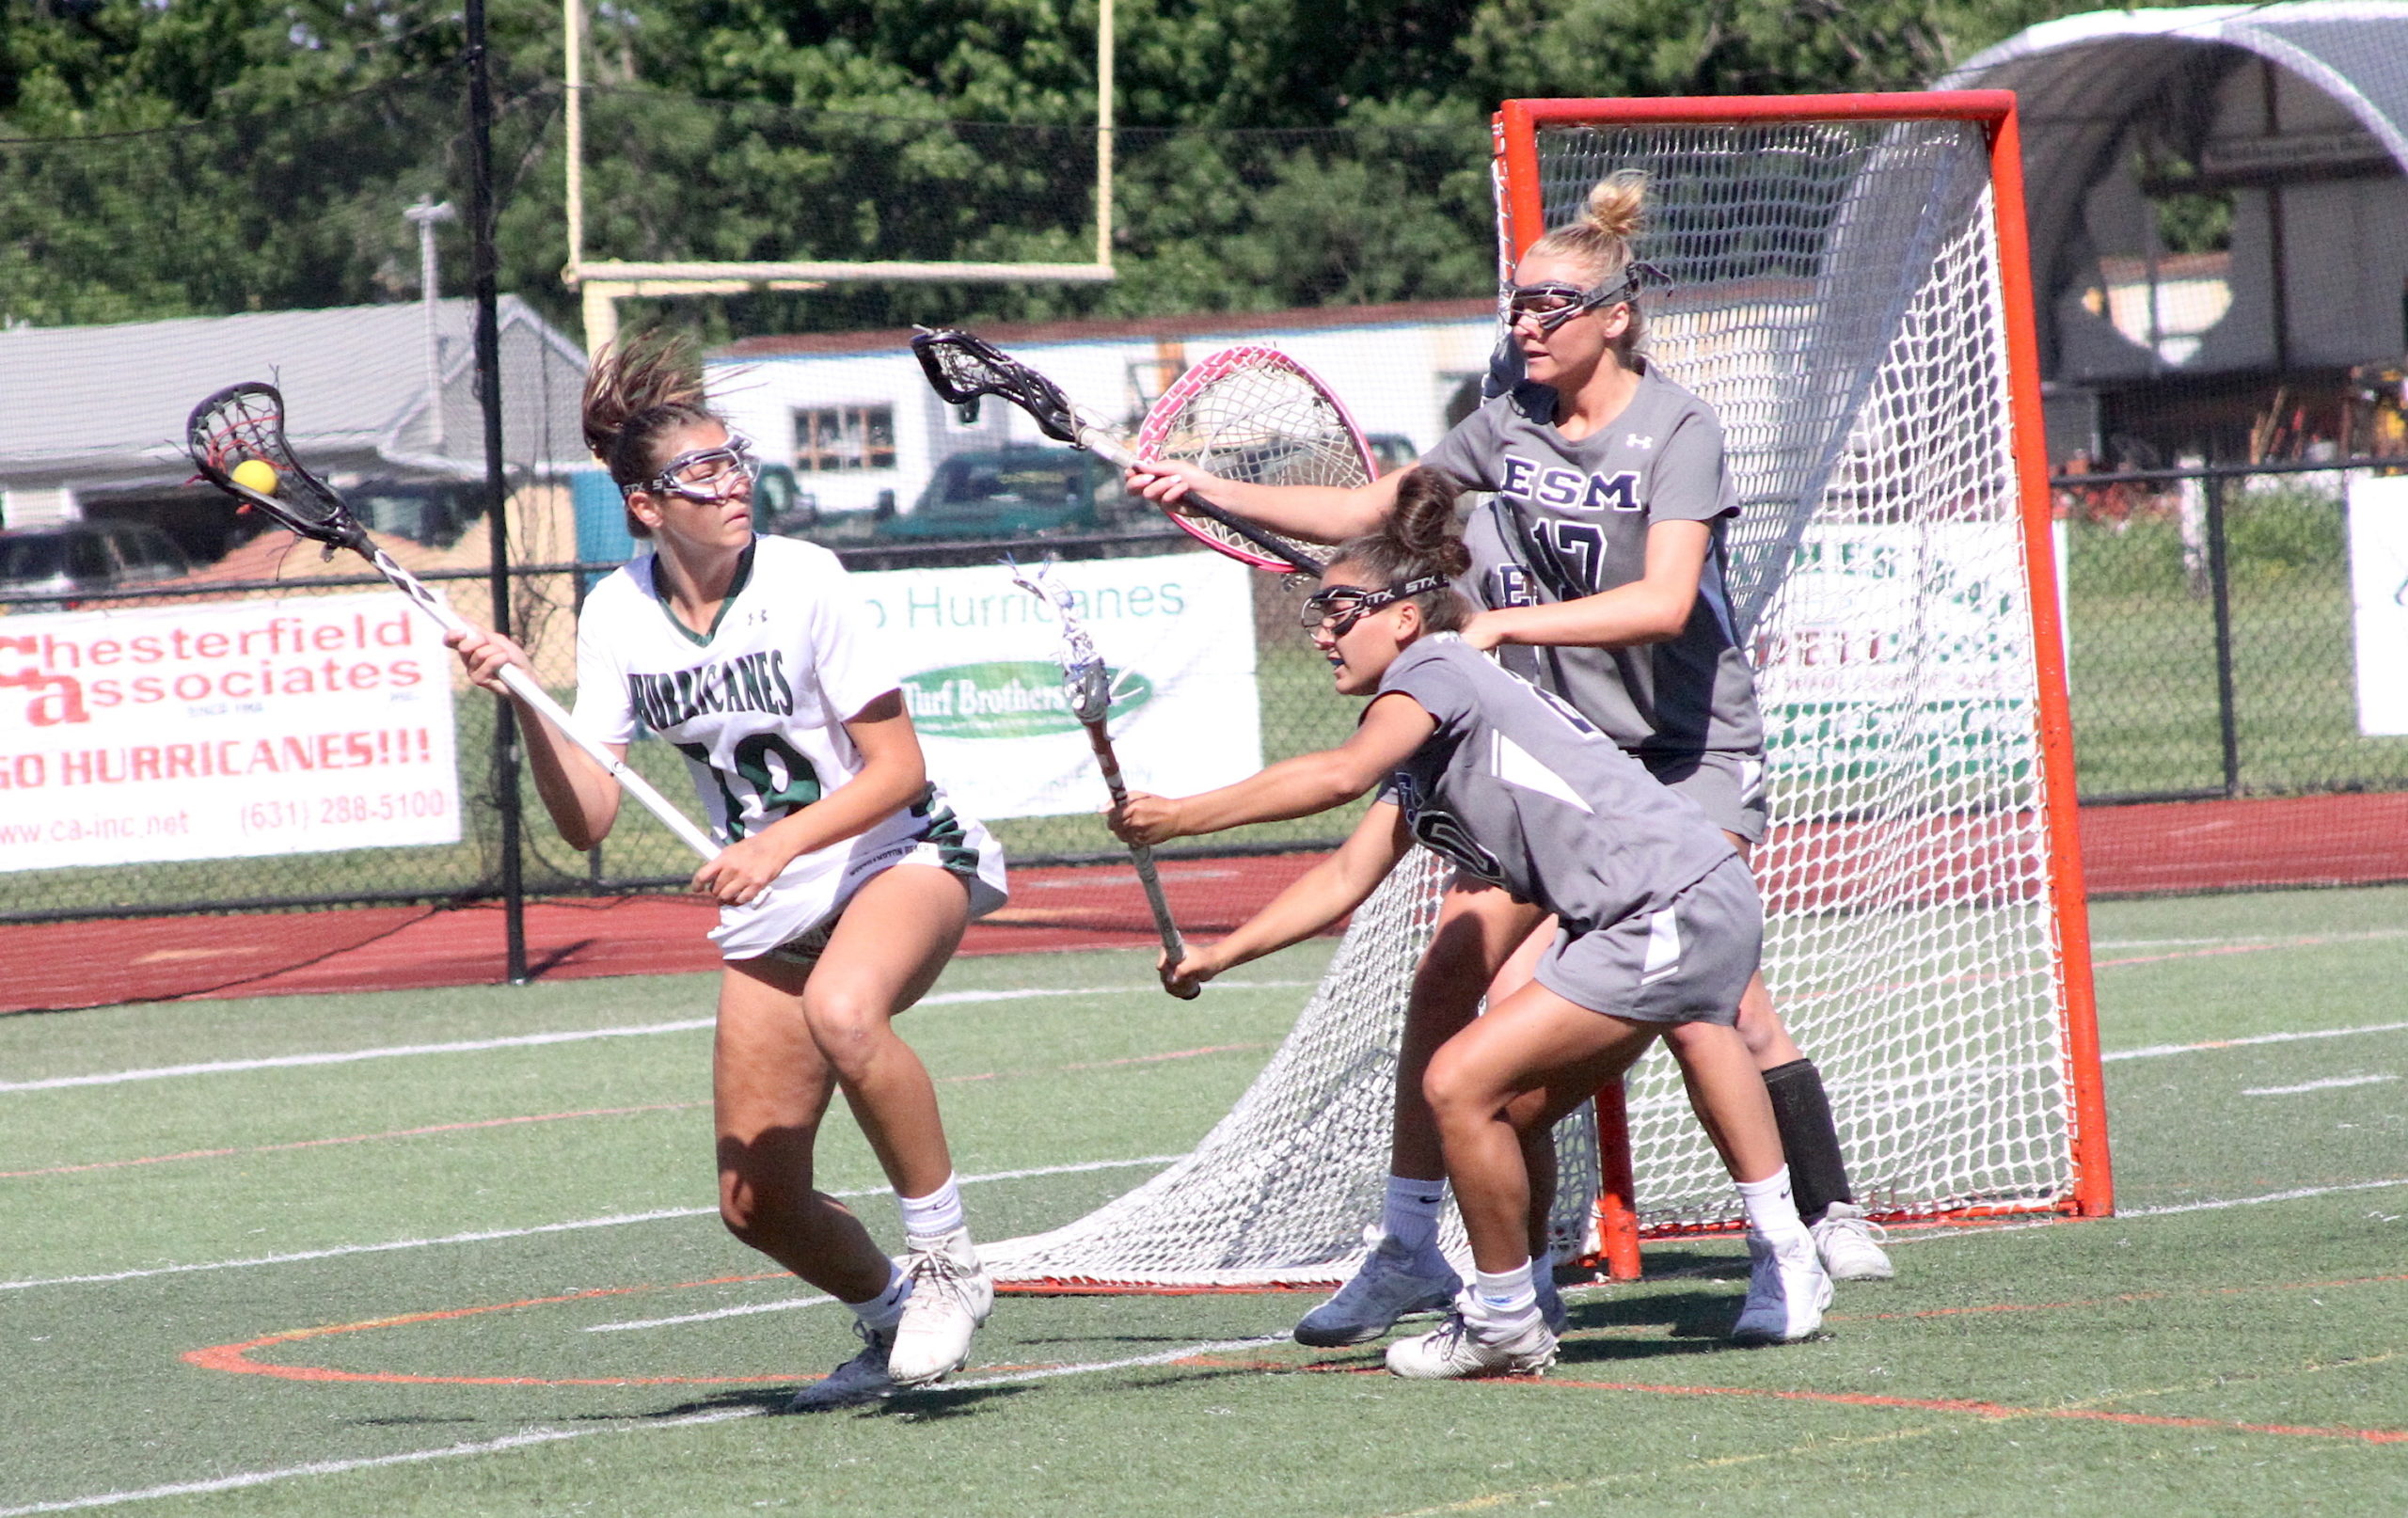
486, 1280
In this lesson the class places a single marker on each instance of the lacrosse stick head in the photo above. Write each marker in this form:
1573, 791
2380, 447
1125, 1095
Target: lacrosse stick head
1256, 416
1086, 684
961, 368
243, 423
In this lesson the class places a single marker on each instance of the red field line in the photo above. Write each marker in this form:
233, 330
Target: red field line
234, 1359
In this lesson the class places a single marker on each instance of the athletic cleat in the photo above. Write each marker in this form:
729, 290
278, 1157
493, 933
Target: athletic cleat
1850, 1245
859, 1380
1551, 1307
1786, 1294
1457, 1351
951, 1295
1389, 1285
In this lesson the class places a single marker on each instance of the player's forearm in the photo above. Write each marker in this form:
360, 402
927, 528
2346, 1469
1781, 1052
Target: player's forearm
1317, 514
882, 788
582, 797
1316, 900
1624, 617
1297, 787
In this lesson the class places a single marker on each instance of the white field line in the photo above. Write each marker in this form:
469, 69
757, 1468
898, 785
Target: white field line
529, 1438
489, 1235
2290, 941
782, 1304
2159, 1050
2335, 1083
541, 1436
531, 1040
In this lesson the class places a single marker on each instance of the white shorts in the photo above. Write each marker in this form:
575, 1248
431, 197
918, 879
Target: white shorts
795, 916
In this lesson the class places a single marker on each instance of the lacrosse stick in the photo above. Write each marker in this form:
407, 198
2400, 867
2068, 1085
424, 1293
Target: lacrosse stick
961, 368
1088, 687
1258, 417
239, 432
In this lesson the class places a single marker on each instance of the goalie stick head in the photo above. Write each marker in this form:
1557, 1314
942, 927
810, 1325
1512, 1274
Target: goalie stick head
961, 368
245, 422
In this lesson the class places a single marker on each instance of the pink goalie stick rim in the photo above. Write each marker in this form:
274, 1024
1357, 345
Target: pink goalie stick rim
1160, 427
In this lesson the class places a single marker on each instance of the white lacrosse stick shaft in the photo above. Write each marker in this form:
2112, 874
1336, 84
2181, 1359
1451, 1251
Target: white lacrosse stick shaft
524, 686
1089, 685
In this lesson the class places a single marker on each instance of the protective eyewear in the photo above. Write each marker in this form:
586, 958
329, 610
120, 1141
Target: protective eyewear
704, 474
1340, 606
1552, 304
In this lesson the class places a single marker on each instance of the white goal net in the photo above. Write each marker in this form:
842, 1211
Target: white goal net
1838, 298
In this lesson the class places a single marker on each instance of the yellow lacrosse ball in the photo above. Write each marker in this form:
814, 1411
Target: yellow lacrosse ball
256, 474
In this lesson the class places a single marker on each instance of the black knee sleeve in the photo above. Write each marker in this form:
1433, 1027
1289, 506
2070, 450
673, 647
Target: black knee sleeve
1817, 1175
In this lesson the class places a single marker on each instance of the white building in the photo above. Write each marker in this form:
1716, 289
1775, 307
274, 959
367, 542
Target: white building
854, 416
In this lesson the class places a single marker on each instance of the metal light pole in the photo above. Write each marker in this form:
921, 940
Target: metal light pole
426, 214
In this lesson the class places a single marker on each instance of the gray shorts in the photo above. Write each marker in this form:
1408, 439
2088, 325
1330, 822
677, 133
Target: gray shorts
1686, 961
1727, 783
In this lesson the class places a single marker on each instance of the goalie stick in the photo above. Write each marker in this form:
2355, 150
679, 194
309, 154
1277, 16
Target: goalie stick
1087, 685
243, 423
961, 368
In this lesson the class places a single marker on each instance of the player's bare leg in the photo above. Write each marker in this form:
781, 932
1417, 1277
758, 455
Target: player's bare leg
888, 949
770, 1088
1848, 1241
1478, 927
894, 937
1530, 1060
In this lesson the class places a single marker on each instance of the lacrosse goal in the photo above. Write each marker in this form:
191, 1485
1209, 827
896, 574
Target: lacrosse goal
1851, 295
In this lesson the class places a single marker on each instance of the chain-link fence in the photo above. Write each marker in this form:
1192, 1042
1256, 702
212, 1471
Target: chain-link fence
2213, 651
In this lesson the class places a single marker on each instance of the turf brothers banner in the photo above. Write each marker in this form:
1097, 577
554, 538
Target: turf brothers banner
985, 689
222, 731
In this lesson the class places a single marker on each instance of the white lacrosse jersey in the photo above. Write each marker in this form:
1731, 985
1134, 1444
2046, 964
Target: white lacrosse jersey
757, 705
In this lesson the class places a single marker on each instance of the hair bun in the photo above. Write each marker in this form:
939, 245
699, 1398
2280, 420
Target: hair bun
1618, 203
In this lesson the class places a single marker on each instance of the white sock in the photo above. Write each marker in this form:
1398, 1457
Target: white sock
1771, 1210
934, 1215
886, 1308
1410, 1215
1503, 1299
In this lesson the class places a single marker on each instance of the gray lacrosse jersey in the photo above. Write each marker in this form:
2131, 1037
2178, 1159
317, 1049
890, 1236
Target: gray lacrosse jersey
1520, 789
1569, 518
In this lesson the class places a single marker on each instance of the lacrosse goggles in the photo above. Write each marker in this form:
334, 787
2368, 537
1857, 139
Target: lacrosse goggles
704, 474
1340, 606
1553, 304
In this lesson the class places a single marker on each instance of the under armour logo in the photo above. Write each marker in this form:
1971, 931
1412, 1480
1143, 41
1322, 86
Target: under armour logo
1637, 440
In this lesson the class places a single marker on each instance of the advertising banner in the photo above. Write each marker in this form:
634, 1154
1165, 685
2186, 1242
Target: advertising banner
2378, 598
224, 730
1899, 646
985, 689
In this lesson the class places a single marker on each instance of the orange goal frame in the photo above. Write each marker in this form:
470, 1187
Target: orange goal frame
1517, 126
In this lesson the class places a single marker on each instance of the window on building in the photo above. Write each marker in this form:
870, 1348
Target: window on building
831, 439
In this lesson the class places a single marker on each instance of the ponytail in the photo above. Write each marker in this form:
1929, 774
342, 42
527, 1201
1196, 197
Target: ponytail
1420, 539
637, 391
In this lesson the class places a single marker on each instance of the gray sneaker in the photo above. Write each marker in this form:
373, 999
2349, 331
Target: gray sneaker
1786, 1294
1550, 1299
859, 1380
1390, 1284
1850, 1245
1457, 1351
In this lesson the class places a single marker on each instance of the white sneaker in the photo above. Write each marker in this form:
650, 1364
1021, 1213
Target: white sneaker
1850, 1245
1390, 1284
951, 1295
861, 1379
1457, 1351
1786, 1294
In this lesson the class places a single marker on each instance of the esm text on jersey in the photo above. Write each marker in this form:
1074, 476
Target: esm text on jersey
1568, 490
